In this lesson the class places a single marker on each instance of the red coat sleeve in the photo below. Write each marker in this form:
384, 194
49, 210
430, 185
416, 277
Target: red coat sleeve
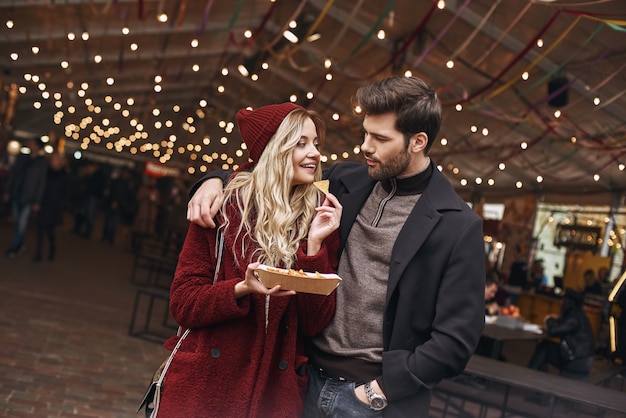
194, 300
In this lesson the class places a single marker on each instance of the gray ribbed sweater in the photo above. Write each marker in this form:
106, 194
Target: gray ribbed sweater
356, 330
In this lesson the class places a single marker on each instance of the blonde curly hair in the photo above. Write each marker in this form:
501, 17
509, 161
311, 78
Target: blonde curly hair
275, 215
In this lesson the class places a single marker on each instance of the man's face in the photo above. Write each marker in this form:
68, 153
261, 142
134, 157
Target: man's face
384, 147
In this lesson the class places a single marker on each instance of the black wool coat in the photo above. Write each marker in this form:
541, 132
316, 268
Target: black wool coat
434, 309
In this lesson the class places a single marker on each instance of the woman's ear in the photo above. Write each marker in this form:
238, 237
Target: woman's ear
418, 142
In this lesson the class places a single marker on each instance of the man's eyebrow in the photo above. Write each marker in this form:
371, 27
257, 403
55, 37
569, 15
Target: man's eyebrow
376, 134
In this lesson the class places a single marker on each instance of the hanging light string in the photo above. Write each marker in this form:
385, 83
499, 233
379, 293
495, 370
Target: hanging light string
367, 36
533, 108
532, 65
618, 40
514, 23
255, 32
279, 35
476, 31
487, 109
519, 56
598, 86
419, 28
540, 81
347, 23
487, 52
445, 30
312, 29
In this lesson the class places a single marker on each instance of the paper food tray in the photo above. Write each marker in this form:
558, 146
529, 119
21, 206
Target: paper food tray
320, 284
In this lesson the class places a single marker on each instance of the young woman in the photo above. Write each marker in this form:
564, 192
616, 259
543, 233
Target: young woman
243, 356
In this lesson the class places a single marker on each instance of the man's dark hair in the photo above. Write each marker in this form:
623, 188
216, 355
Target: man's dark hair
415, 104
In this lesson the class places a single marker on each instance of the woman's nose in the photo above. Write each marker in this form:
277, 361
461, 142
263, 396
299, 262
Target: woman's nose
313, 151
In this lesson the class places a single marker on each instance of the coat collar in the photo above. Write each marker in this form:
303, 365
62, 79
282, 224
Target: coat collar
439, 195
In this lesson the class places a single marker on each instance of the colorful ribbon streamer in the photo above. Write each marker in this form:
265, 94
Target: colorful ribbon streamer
314, 26
420, 27
367, 37
514, 61
476, 30
536, 61
446, 28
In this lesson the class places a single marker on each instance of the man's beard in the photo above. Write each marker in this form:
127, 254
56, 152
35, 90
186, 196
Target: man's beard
393, 168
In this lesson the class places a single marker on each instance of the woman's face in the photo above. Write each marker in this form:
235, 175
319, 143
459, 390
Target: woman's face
306, 155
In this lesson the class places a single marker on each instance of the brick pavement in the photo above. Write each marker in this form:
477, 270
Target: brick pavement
64, 346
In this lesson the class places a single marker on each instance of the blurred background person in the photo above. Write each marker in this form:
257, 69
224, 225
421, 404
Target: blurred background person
492, 282
575, 351
118, 201
148, 206
604, 276
24, 189
94, 189
592, 284
538, 277
52, 208
78, 187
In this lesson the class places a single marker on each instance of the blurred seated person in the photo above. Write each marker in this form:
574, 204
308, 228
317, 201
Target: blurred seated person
575, 351
485, 345
491, 289
604, 275
592, 284
541, 282
537, 275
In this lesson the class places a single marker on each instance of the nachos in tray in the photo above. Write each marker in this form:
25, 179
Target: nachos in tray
298, 280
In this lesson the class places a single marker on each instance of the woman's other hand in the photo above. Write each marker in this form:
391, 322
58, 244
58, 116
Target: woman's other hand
252, 284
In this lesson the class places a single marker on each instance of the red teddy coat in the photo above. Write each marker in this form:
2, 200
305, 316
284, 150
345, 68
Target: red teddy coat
230, 364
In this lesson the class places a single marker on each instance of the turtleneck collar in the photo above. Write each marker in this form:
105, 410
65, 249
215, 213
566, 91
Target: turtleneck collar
412, 184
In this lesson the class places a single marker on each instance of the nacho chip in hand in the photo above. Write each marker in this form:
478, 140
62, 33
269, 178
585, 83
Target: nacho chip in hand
323, 185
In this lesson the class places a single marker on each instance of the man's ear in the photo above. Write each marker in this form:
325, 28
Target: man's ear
418, 142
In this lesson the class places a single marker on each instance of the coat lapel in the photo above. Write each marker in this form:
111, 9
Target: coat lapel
439, 195
358, 187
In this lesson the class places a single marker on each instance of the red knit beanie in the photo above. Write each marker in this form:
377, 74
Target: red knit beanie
258, 126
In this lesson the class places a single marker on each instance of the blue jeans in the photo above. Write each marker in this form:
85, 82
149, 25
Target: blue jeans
21, 214
333, 398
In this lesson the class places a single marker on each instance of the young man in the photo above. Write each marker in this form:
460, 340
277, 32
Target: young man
410, 309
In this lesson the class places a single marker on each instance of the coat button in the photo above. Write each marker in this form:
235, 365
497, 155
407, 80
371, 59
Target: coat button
215, 352
283, 365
